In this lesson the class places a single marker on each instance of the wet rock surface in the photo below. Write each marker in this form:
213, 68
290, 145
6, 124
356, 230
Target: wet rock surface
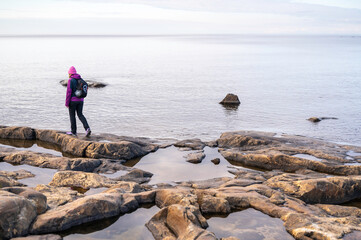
278, 178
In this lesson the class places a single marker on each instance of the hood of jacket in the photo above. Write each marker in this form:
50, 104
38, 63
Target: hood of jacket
75, 75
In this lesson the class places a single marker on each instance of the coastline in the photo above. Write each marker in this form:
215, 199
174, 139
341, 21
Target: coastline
299, 180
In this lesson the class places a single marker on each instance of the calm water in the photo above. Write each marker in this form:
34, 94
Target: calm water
170, 86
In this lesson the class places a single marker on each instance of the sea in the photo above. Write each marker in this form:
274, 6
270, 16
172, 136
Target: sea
170, 86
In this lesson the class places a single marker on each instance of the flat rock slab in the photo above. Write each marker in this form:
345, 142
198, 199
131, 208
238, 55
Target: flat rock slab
121, 149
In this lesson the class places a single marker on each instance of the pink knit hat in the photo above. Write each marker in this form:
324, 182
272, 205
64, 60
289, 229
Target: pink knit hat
72, 70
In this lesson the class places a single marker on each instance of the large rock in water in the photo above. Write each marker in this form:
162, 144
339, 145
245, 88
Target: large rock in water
230, 99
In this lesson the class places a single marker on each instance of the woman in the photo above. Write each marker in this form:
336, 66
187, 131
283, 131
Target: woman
75, 104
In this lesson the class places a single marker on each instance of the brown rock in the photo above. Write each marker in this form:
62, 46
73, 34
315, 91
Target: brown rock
314, 119
19, 174
17, 213
136, 175
230, 99
17, 133
210, 204
40, 237
80, 179
86, 209
120, 150
167, 197
196, 157
216, 161
179, 222
195, 144
8, 182
37, 198
57, 196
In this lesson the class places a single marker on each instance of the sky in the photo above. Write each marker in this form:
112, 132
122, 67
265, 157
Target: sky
117, 17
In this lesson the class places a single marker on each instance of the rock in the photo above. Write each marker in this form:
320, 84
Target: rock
91, 83
206, 184
195, 144
80, 179
83, 210
38, 199
179, 222
19, 174
17, 133
57, 196
136, 175
340, 211
196, 157
230, 99
230, 238
209, 204
50, 161
120, 150
8, 182
314, 119
231, 140
40, 237
216, 161
17, 213
277, 160
320, 190
212, 144
167, 197
123, 187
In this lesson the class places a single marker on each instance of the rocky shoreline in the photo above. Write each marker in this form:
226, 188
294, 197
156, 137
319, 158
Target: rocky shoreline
299, 180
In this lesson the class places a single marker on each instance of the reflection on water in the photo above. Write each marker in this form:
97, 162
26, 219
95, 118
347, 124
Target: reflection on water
170, 165
34, 146
42, 175
128, 226
248, 224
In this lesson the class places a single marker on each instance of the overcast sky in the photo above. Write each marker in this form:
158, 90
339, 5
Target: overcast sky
180, 17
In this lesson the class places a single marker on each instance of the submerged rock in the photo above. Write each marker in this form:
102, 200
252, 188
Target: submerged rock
230, 99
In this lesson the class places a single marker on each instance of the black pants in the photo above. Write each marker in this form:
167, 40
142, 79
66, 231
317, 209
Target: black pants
78, 107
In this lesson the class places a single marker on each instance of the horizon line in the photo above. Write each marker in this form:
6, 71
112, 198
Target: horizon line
179, 35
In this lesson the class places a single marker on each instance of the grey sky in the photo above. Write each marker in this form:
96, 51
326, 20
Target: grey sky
180, 16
